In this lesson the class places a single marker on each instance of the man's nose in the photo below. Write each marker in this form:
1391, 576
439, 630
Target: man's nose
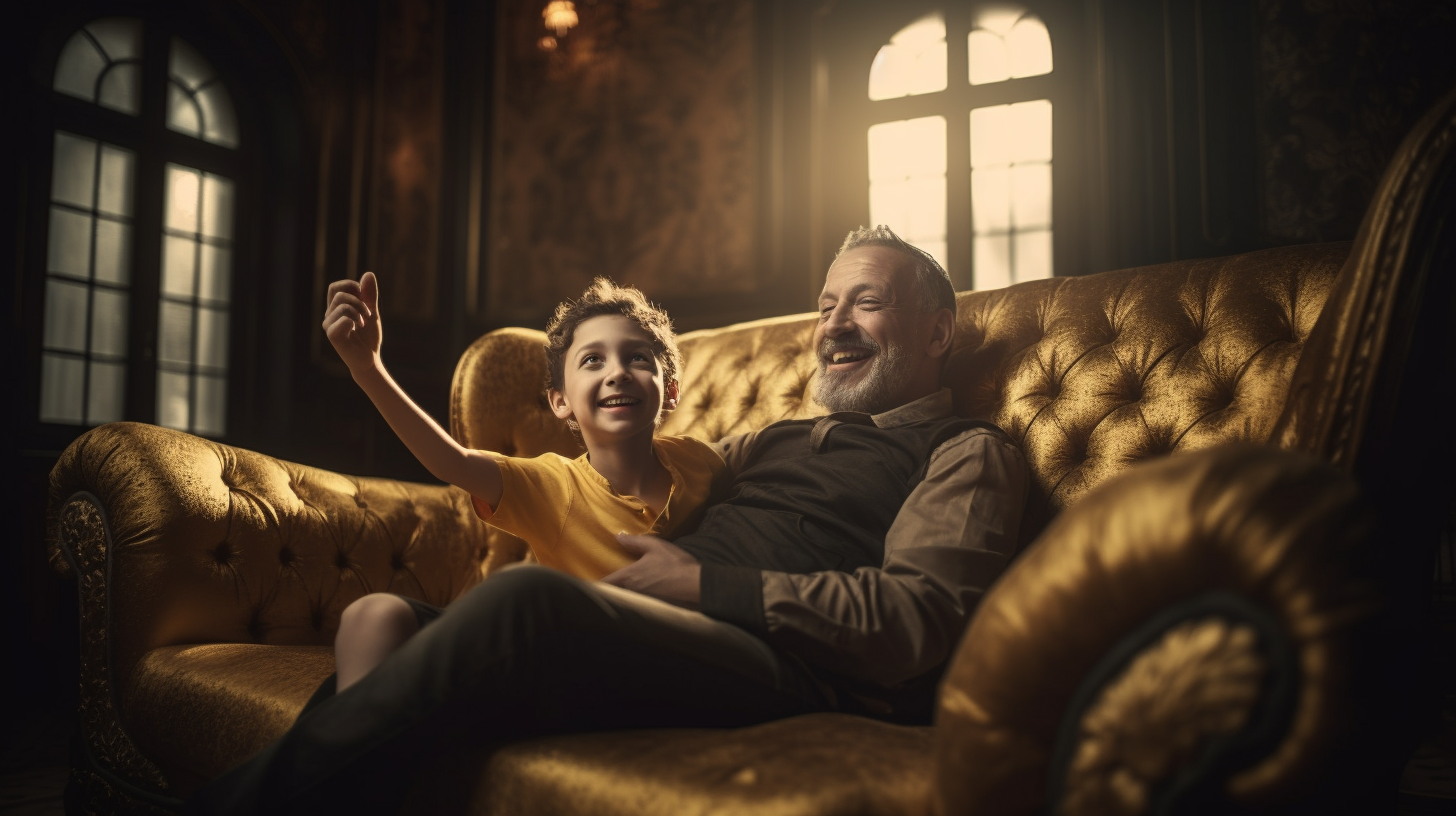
838, 322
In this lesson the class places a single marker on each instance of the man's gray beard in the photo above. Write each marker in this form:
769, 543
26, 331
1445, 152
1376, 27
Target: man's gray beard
889, 373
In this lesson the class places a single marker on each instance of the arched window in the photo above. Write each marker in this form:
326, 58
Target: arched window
971, 183
139, 259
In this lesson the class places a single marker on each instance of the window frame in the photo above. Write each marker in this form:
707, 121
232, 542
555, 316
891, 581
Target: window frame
844, 48
155, 145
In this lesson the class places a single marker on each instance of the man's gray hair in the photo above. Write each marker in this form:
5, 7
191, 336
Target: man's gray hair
931, 281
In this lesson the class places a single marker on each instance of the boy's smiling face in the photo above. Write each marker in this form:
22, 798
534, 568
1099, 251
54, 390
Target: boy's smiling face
613, 384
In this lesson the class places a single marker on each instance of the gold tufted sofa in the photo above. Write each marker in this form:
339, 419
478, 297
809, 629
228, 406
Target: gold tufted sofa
1224, 545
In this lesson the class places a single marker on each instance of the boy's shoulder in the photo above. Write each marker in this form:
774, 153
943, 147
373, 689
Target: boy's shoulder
679, 447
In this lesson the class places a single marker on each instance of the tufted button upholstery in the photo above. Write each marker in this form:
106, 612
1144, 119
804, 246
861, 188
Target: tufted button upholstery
1090, 375
252, 549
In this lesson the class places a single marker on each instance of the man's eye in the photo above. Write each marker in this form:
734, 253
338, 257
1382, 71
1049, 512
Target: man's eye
869, 303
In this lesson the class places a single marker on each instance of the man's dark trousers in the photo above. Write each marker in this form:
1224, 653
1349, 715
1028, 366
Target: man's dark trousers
529, 651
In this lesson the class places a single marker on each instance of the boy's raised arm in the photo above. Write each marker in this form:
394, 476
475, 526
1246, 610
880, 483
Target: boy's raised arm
353, 326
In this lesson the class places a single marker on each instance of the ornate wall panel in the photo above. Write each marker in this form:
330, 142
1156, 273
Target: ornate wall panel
1340, 84
629, 150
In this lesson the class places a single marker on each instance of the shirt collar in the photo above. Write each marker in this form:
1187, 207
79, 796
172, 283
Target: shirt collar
930, 406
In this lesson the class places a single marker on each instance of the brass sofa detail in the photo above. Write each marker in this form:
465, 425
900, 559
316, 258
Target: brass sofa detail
1223, 541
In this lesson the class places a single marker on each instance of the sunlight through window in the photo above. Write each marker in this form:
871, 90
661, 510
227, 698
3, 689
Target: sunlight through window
1011, 192
197, 103
907, 181
101, 63
913, 61
192, 343
1007, 46
998, 232
88, 282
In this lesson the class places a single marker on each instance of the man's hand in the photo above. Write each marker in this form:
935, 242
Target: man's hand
352, 320
663, 572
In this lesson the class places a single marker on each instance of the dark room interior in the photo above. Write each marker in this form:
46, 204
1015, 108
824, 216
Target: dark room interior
711, 152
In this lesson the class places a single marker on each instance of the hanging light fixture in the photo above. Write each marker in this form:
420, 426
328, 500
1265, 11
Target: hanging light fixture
560, 15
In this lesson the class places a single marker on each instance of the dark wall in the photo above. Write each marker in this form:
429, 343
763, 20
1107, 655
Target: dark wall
1202, 128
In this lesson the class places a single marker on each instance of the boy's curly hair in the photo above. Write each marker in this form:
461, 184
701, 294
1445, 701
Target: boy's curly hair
606, 298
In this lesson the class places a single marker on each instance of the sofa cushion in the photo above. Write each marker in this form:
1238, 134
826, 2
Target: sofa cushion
198, 710
819, 764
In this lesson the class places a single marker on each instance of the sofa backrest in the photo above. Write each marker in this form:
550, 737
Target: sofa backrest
1089, 374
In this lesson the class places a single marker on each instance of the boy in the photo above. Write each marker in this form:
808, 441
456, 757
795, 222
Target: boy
612, 374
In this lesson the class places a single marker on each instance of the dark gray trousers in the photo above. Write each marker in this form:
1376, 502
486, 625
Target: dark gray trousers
530, 651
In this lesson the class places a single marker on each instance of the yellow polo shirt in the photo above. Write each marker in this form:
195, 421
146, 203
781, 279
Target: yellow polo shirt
569, 515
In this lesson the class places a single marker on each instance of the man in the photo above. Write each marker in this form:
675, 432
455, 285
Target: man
838, 574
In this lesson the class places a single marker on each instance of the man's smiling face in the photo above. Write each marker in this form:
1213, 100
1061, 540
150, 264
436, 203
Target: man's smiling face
872, 335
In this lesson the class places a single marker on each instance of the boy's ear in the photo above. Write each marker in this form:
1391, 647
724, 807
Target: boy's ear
557, 401
669, 396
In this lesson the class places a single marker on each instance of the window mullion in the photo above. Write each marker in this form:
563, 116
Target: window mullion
959, 257
151, 193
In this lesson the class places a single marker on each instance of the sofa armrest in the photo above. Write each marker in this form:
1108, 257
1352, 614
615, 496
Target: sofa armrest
1208, 625
174, 539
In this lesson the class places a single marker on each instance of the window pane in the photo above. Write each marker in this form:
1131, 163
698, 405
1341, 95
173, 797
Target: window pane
172, 400
178, 266
217, 273
1033, 255
907, 180
987, 52
65, 315
211, 405
113, 251
1005, 45
1031, 126
991, 200
106, 393
174, 341
73, 174
108, 322
1030, 47
1032, 195
118, 177
62, 382
913, 62
217, 206
182, 190
187, 66
220, 124
70, 243
907, 149
121, 88
77, 70
212, 338
183, 115
121, 37
991, 136
915, 208
993, 261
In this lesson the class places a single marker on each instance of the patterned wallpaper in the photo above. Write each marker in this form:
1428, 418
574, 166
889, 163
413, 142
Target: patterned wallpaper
628, 151
1341, 82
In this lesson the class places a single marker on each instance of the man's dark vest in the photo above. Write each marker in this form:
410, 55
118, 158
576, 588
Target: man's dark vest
820, 494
